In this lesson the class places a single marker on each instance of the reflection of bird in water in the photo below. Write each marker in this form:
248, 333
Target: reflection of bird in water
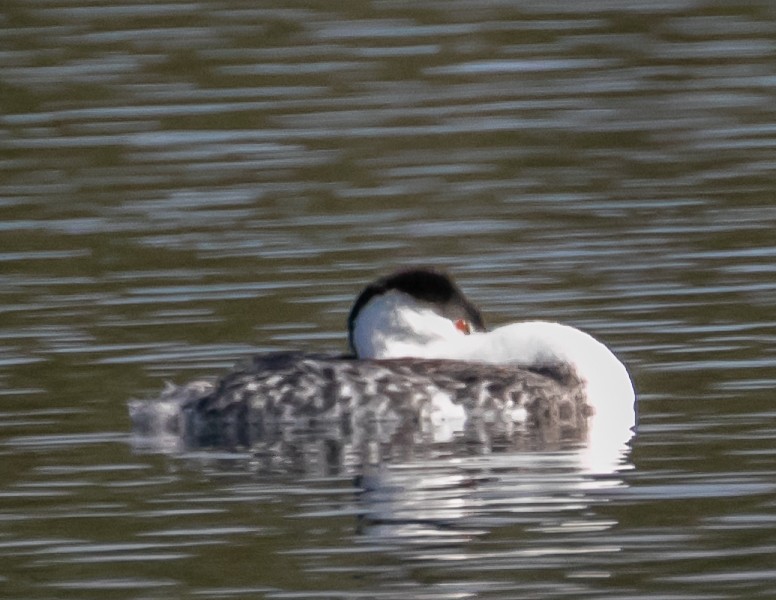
423, 367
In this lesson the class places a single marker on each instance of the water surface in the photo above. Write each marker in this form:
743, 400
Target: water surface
182, 184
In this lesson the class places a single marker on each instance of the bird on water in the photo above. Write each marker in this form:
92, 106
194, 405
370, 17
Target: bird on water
421, 356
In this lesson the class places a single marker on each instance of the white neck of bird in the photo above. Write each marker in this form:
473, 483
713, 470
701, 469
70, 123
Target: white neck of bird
395, 325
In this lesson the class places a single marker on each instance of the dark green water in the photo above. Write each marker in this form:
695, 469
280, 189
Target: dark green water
184, 183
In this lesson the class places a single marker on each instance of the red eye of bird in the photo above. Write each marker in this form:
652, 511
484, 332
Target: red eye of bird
463, 325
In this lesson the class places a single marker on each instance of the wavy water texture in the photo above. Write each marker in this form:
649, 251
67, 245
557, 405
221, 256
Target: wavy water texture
184, 184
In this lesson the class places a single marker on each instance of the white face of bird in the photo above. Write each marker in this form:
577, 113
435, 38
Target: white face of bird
395, 324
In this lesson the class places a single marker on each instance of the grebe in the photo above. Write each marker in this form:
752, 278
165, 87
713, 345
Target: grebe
421, 357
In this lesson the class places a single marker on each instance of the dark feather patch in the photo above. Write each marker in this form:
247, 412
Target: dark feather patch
283, 391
